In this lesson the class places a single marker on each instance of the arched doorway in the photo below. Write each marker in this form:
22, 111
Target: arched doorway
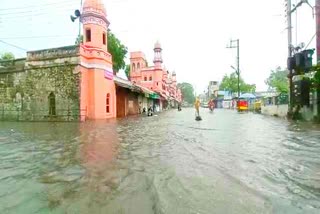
52, 104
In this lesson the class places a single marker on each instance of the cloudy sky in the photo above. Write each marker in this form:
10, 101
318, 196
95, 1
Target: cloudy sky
193, 33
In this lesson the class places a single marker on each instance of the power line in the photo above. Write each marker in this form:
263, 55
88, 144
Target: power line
36, 37
310, 41
37, 9
38, 14
38, 5
13, 45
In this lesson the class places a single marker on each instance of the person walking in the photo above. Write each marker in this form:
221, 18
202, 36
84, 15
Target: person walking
197, 107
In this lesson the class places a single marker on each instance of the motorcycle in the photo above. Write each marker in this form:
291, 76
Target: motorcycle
211, 108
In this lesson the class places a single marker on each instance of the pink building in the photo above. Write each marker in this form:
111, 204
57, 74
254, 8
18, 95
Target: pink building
156, 78
98, 93
77, 82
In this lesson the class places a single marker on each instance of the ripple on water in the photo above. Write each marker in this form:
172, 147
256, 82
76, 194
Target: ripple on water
228, 163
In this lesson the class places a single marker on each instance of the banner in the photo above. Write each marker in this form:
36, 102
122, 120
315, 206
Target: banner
108, 74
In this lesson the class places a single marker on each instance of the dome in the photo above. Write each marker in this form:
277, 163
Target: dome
94, 6
157, 45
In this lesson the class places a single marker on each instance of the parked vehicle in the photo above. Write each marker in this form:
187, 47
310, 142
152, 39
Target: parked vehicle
257, 106
242, 105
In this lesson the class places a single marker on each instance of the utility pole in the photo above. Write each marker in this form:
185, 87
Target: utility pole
317, 93
318, 29
290, 54
289, 11
238, 60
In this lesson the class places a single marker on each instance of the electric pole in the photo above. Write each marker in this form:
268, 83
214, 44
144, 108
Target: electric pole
289, 11
318, 30
290, 54
238, 60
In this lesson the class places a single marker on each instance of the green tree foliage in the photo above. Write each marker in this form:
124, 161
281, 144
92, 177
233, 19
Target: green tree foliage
118, 52
127, 71
230, 83
6, 59
187, 92
115, 48
7, 56
79, 40
278, 80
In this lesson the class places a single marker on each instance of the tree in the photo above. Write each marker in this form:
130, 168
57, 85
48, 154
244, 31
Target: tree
79, 40
115, 48
187, 92
127, 71
6, 59
230, 83
278, 80
118, 52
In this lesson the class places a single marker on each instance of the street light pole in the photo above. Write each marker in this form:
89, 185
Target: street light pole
238, 60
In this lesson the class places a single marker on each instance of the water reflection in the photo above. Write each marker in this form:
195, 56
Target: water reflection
227, 163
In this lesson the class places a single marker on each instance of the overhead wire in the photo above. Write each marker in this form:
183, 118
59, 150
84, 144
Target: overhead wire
31, 11
310, 41
20, 48
38, 5
36, 37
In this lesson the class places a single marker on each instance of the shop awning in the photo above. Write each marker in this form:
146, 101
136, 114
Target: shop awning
123, 83
149, 93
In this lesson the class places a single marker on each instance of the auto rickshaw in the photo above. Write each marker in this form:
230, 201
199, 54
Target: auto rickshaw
242, 105
257, 106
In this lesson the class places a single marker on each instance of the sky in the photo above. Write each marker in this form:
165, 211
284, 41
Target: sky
193, 33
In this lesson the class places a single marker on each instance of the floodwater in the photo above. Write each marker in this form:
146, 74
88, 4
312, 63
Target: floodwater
227, 163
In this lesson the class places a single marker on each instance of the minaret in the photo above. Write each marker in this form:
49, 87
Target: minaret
157, 56
174, 77
95, 24
97, 87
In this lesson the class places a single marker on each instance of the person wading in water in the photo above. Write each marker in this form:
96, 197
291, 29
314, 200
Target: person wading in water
197, 107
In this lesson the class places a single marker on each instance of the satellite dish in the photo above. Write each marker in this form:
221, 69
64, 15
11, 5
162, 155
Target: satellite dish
77, 13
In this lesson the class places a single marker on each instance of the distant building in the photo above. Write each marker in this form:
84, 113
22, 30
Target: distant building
213, 88
156, 78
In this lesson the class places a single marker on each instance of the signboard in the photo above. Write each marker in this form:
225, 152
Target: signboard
108, 74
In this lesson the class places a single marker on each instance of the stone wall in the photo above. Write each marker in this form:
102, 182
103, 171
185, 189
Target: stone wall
44, 89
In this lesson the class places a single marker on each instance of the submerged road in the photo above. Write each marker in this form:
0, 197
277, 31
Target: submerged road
226, 163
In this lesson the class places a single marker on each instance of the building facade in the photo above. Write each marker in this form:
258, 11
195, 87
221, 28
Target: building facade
77, 83
156, 78
213, 89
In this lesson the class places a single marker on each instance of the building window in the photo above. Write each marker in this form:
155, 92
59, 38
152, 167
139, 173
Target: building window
88, 35
145, 78
104, 38
52, 104
108, 103
157, 83
133, 67
150, 78
138, 66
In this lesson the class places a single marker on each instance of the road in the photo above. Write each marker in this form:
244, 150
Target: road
170, 163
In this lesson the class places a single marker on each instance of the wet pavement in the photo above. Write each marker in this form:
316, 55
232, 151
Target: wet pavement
226, 163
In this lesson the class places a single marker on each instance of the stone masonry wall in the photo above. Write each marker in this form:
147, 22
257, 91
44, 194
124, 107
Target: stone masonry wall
24, 94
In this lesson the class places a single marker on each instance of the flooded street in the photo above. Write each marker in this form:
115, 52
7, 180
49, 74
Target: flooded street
227, 163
